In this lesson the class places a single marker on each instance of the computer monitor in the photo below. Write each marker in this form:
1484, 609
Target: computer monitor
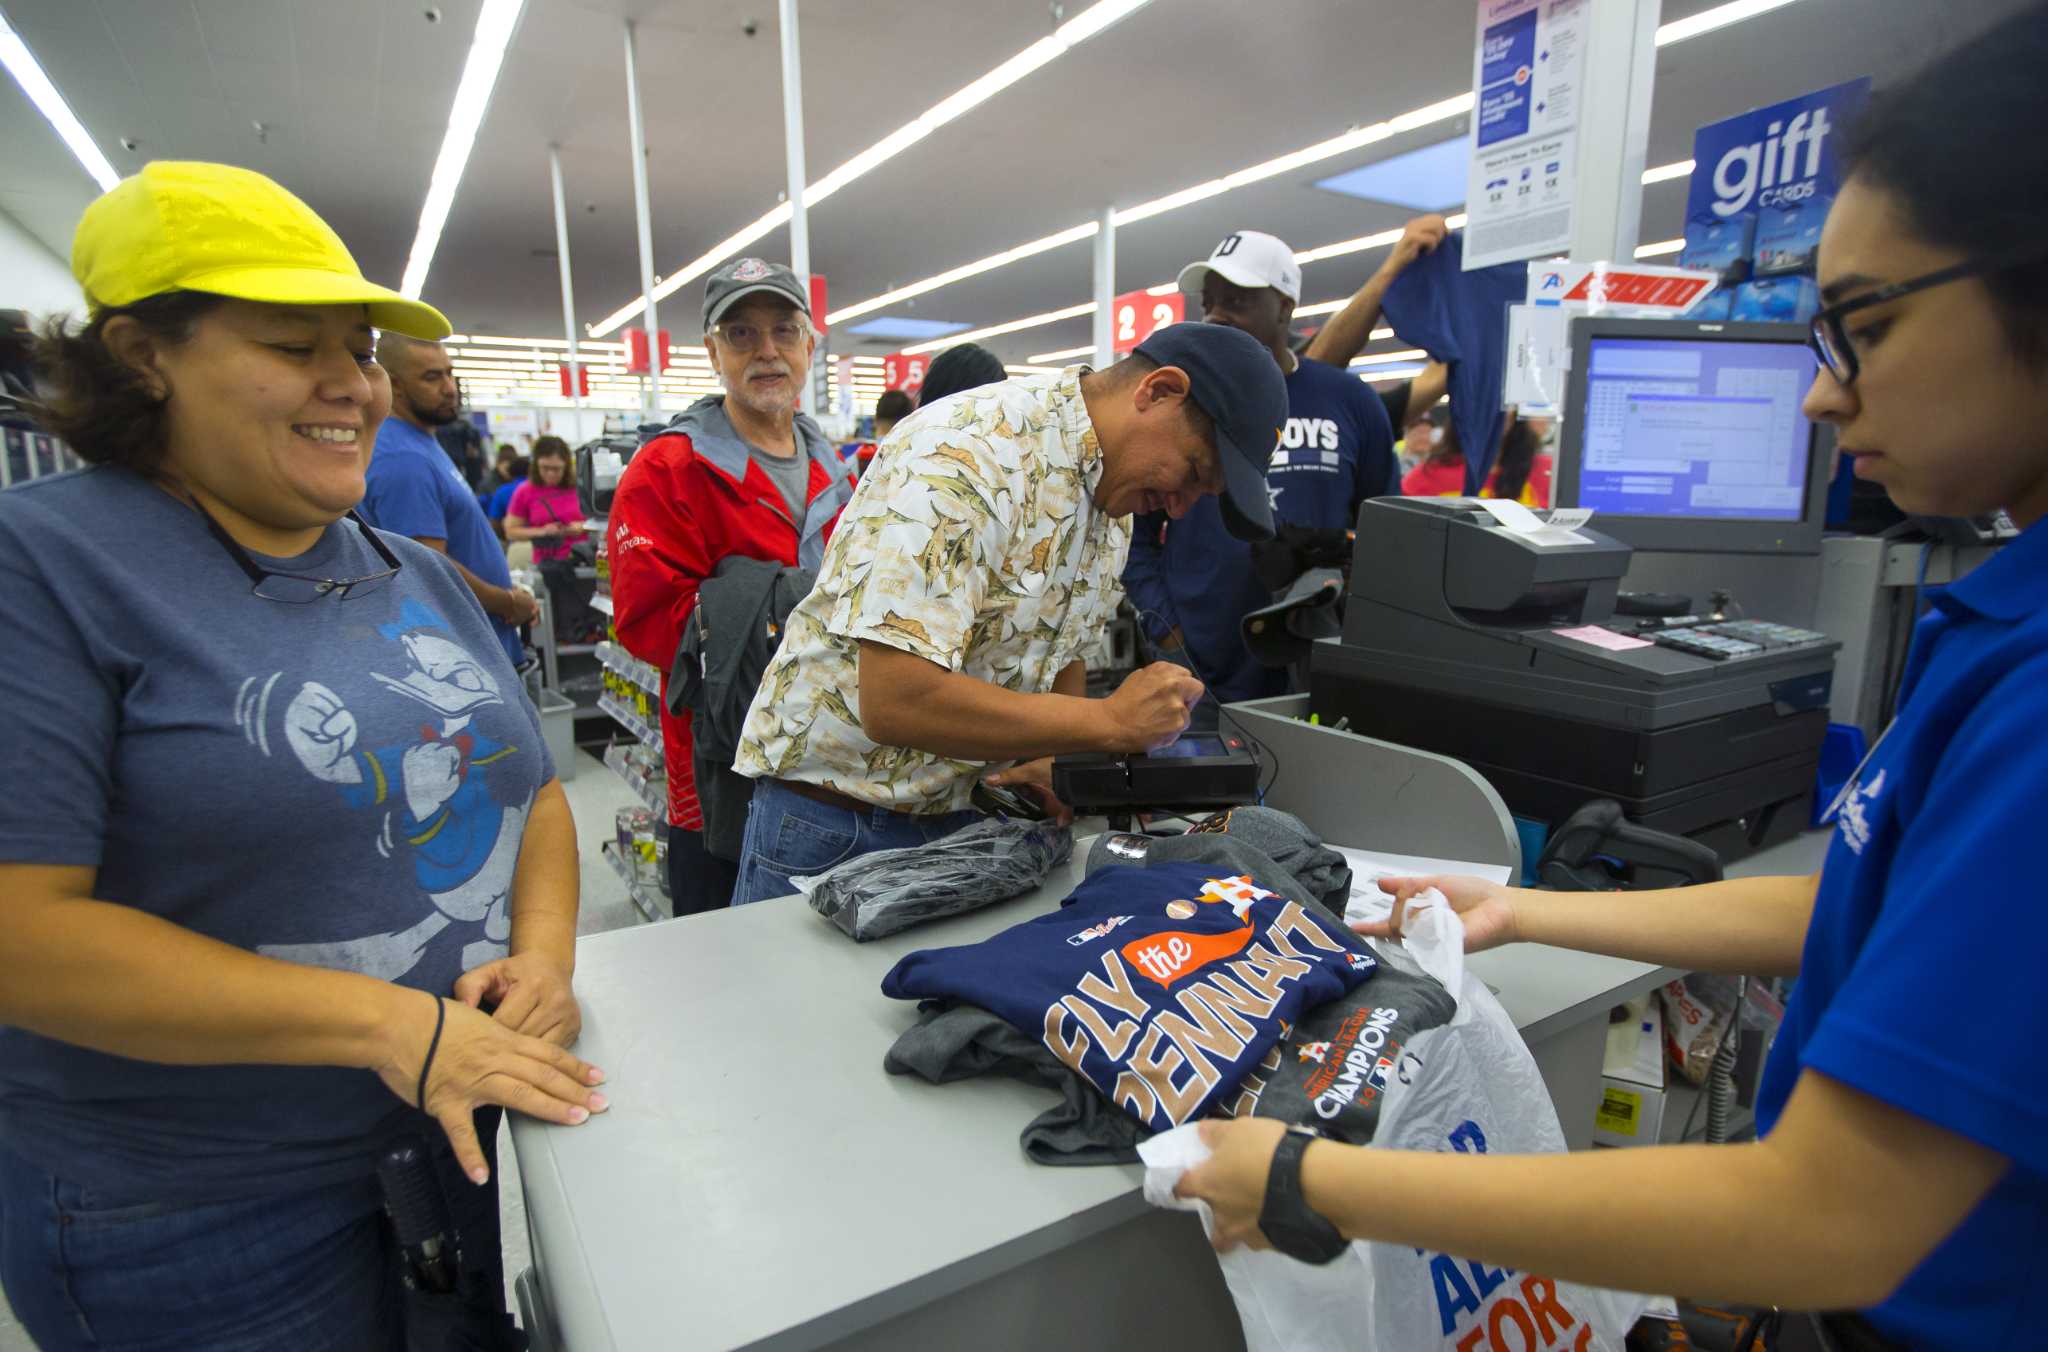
1687, 436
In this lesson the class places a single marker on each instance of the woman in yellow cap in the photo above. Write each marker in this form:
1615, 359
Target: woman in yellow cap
282, 824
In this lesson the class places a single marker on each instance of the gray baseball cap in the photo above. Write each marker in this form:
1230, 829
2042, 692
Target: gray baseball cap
745, 276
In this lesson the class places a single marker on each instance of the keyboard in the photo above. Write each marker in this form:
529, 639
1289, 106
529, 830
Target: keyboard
1736, 638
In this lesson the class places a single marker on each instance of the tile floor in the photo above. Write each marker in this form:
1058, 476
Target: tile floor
595, 794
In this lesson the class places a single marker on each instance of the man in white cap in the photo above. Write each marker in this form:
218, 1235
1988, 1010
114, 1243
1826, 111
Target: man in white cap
1193, 582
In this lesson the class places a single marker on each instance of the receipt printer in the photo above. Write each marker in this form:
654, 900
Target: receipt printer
1491, 642
1198, 771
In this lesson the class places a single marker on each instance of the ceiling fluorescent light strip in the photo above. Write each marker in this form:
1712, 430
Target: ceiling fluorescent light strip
1443, 109
1063, 354
997, 330
494, 27
1068, 35
28, 73
1678, 30
1414, 354
964, 271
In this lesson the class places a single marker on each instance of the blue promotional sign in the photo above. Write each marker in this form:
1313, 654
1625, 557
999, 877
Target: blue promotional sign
1761, 187
1507, 55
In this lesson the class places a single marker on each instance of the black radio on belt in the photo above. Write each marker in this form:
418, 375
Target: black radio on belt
1198, 771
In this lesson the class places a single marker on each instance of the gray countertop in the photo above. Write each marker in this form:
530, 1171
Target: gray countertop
761, 1182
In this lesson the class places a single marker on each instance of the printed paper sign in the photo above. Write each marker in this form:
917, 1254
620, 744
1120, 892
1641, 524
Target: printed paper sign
1526, 85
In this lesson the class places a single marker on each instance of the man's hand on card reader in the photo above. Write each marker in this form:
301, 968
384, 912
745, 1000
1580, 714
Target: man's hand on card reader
1150, 709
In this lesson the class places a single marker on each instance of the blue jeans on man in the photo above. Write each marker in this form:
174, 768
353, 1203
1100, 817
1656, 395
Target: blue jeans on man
789, 836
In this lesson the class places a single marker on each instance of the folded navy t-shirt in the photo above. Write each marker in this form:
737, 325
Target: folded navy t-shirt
1164, 986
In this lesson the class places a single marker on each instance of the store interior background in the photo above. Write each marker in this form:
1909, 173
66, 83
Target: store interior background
346, 103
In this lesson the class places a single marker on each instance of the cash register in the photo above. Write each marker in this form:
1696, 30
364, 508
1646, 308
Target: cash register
1492, 635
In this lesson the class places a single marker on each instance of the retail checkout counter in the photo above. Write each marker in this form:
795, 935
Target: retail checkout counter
760, 1182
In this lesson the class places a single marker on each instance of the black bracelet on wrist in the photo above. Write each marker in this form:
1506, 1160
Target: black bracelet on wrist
440, 1020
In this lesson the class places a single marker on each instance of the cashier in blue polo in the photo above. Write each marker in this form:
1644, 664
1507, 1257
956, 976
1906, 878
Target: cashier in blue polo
1192, 582
1900, 1170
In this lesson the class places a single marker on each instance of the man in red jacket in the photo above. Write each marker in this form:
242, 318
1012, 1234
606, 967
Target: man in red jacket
741, 473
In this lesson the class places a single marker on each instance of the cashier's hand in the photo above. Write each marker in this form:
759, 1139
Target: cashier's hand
1035, 778
1233, 1179
530, 993
1486, 908
1150, 709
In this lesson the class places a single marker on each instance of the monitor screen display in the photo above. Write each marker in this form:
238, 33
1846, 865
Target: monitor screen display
1696, 428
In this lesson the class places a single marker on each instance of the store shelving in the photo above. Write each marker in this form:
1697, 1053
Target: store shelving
630, 720
646, 900
653, 794
616, 659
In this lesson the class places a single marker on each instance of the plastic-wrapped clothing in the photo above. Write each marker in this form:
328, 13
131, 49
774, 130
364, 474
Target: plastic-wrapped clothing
1279, 839
984, 862
959, 1042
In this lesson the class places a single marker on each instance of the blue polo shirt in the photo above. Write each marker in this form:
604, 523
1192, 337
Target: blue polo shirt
1918, 981
1336, 450
414, 490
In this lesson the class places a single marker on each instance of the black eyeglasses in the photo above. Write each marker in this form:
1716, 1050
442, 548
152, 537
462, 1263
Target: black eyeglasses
1830, 340
300, 588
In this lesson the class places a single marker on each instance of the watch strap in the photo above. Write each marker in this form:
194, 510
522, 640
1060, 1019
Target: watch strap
1286, 1219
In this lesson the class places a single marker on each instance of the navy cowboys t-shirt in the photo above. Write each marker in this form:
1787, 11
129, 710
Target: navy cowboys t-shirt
341, 783
1336, 450
1164, 986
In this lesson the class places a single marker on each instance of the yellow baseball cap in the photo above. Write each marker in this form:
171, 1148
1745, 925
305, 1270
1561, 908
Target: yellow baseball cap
183, 225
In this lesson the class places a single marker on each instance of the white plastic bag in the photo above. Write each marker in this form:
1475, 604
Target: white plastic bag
1469, 1086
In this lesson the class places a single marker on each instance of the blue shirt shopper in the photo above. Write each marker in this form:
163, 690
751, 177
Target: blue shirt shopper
1336, 451
415, 491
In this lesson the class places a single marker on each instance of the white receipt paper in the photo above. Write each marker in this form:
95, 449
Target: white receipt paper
1561, 529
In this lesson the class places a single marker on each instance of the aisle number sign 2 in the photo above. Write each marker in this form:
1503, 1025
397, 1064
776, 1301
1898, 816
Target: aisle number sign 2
1137, 315
901, 371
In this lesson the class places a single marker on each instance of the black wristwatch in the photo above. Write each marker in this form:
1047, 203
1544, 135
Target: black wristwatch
1286, 1219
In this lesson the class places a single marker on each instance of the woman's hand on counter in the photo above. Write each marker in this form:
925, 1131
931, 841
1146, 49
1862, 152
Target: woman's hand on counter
476, 1061
530, 993
1487, 909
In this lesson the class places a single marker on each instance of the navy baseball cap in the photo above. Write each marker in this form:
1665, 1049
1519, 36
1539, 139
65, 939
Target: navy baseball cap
1233, 379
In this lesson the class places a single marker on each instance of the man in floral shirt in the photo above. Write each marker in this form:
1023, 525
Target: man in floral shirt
974, 565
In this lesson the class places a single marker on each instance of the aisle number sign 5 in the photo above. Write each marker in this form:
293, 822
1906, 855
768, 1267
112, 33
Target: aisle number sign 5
902, 371
1139, 314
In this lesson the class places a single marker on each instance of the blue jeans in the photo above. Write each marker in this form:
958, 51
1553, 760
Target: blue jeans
308, 1271
789, 836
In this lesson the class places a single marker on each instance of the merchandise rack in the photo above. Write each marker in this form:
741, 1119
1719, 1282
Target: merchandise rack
652, 794
645, 899
617, 660
629, 720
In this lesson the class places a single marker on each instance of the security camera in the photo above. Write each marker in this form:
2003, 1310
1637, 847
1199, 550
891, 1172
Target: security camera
750, 28
433, 13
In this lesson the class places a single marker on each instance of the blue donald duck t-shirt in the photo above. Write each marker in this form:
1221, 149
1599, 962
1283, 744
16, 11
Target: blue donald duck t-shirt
343, 783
